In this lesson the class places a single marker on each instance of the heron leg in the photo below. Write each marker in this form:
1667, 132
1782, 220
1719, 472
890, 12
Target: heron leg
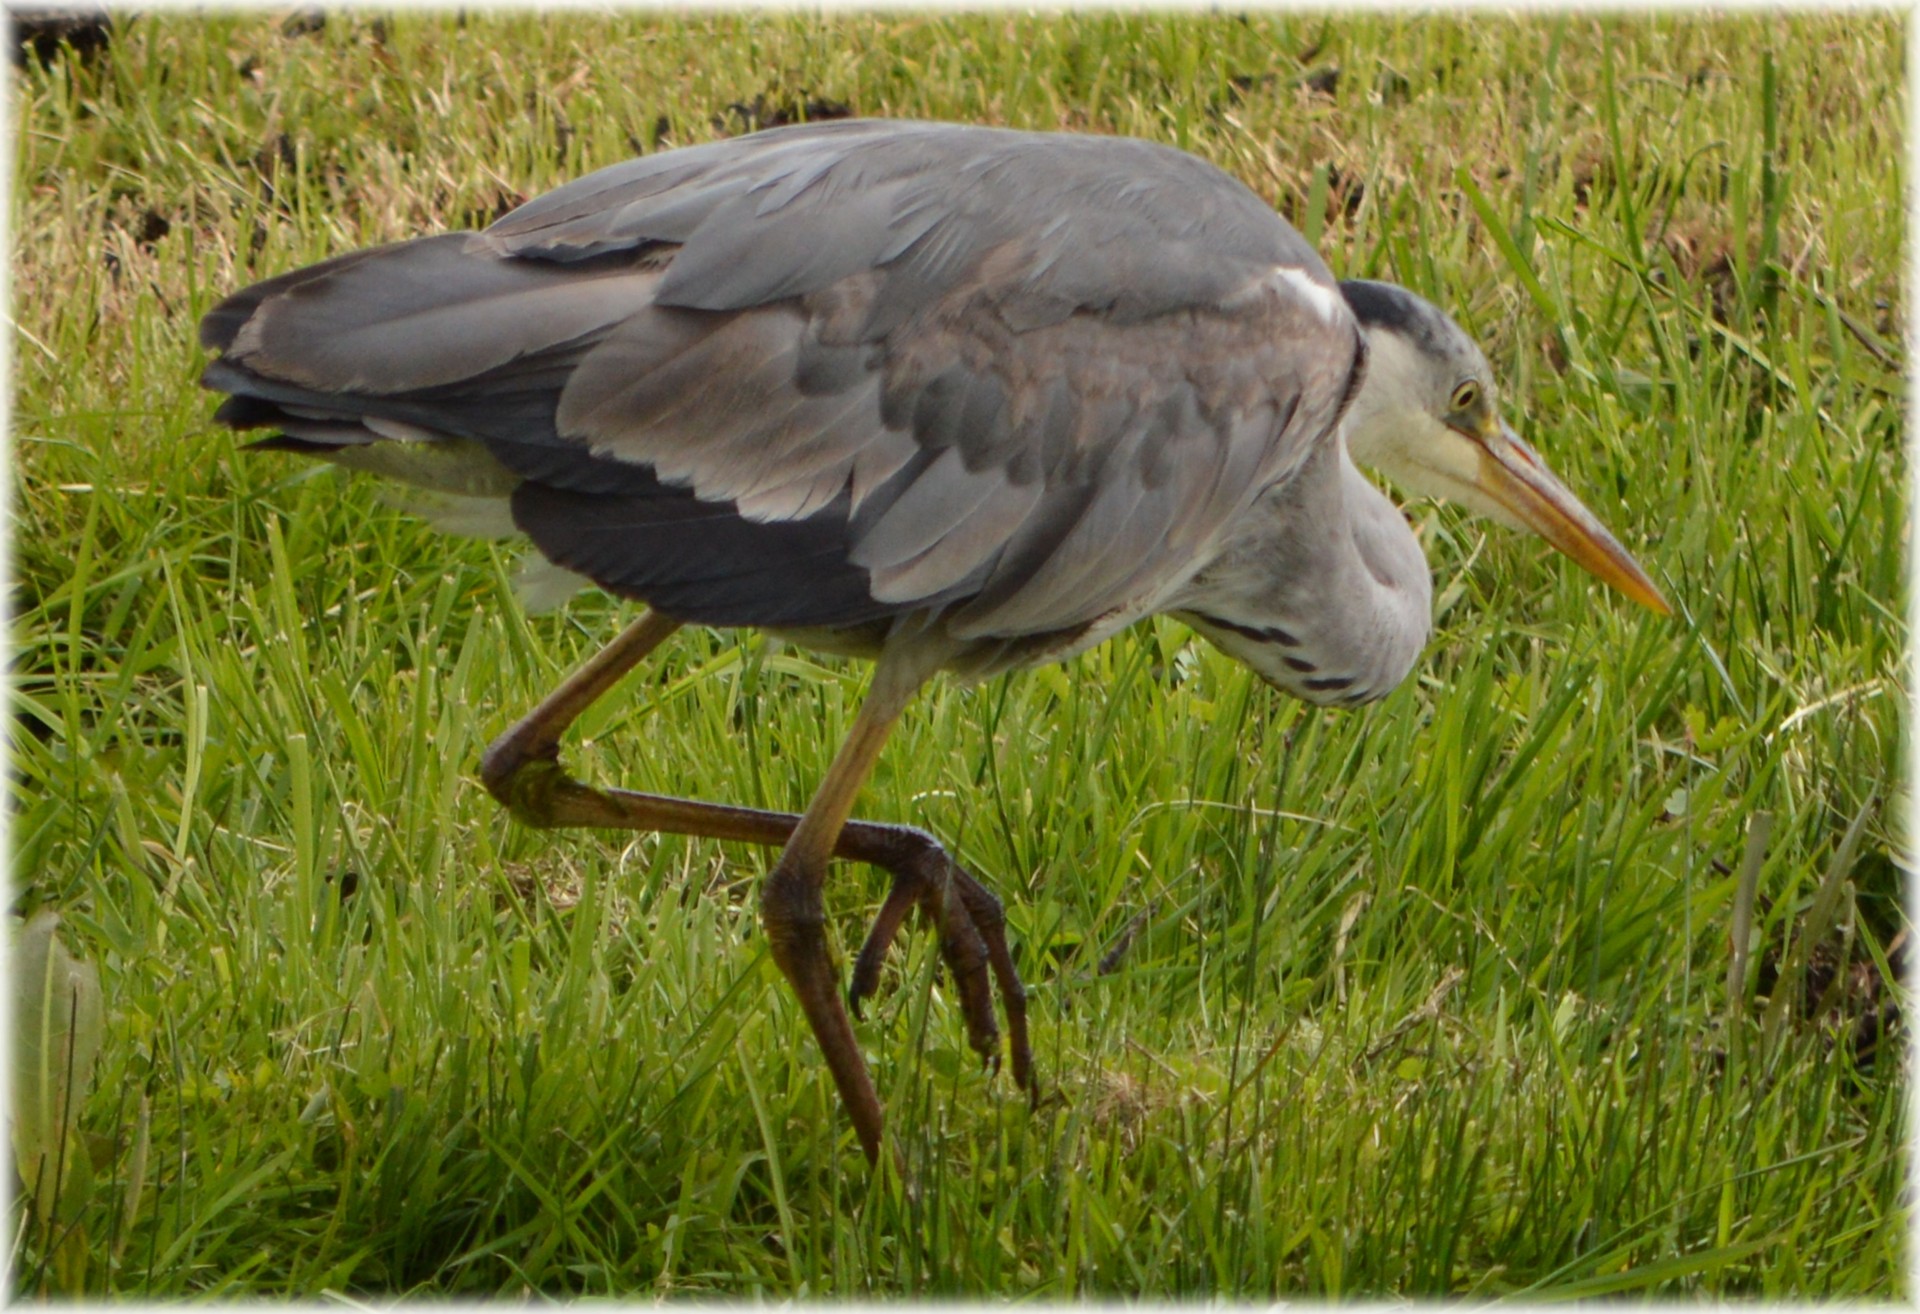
522, 770
967, 915
790, 903
509, 767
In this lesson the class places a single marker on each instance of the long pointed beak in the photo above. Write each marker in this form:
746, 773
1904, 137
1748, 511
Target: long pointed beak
1514, 476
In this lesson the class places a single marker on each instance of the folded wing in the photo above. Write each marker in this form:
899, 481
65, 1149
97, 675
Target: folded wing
825, 375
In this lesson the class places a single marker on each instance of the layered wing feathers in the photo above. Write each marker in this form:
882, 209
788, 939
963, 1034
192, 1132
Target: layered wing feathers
824, 375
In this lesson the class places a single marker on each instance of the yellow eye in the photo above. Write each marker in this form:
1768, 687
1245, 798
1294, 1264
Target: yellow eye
1465, 395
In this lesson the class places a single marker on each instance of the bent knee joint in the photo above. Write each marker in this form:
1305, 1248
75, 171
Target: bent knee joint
525, 785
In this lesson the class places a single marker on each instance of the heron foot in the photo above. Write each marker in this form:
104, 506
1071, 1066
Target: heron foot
523, 771
972, 926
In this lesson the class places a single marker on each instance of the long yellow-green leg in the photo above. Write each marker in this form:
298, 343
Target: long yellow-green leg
523, 771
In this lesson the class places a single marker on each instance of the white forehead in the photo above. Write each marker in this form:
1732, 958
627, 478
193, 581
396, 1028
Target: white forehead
1426, 365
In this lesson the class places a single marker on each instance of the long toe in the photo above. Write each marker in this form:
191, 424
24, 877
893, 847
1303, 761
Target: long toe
964, 951
791, 914
909, 889
989, 920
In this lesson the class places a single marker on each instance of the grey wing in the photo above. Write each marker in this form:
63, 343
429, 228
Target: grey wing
827, 374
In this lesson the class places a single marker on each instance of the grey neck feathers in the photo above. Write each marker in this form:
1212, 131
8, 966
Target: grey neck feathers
1323, 590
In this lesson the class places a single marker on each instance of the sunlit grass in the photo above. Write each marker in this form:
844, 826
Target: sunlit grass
1427, 998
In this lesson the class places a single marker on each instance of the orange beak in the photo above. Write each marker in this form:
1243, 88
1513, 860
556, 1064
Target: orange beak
1514, 476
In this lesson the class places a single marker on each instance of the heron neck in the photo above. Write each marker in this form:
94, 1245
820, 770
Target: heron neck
1323, 589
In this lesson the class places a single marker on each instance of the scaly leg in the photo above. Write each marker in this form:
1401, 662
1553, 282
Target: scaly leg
521, 769
790, 904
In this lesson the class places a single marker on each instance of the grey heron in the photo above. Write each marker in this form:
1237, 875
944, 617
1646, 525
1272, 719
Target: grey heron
950, 398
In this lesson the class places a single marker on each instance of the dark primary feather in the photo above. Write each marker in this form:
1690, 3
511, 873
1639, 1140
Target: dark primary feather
823, 375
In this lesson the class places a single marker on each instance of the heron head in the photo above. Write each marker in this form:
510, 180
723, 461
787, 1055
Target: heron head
1427, 417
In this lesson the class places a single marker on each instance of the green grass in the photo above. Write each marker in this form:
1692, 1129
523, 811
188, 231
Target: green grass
1428, 998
